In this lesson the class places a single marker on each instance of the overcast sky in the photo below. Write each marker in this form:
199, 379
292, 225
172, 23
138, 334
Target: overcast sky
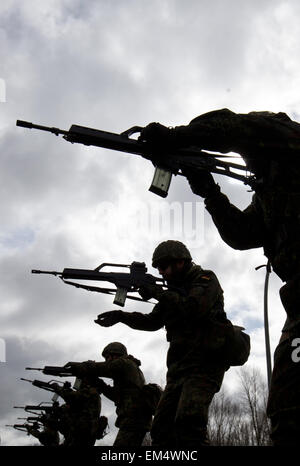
113, 64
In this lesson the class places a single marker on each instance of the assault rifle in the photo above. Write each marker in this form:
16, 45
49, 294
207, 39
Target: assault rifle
66, 371
124, 282
47, 385
40, 407
32, 419
171, 163
22, 427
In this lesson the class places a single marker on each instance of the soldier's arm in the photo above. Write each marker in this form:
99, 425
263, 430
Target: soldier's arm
218, 130
69, 396
148, 322
91, 369
136, 320
106, 390
257, 133
239, 229
226, 131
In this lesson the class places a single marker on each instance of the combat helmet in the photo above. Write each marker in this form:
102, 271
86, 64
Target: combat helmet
170, 250
114, 348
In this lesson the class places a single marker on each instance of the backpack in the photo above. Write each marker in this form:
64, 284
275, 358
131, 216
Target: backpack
237, 347
226, 343
152, 393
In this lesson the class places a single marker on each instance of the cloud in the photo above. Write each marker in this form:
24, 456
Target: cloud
113, 65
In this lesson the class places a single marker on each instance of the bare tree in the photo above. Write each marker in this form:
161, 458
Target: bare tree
227, 424
254, 396
240, 419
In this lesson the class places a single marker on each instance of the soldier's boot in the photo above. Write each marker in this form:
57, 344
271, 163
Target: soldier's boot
286, 429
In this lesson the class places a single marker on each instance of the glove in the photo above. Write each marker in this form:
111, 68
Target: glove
109, 318
157, 135
80, 369
77, 368
150, 291
201, 182
100, 385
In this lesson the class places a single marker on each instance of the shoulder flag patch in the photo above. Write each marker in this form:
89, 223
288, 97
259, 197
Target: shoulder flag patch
205, 277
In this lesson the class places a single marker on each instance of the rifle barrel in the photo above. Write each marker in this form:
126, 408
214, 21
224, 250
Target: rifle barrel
28, 124
33, 369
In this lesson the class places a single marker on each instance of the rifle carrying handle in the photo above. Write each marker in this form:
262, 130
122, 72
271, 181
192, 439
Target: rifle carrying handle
129, 132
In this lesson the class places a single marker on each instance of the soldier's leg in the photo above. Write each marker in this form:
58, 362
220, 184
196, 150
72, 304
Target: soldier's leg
163, 432
285, 428
192, 412
129, 437
284, 397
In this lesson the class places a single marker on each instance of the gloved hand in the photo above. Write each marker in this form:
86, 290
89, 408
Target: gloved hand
201, 182
157, 135
109, 318
100, 385
77, 368
150, 291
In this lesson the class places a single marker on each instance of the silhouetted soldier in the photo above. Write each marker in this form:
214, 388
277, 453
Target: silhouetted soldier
194, 373
79, 419
270, 145
133, 416
48, 436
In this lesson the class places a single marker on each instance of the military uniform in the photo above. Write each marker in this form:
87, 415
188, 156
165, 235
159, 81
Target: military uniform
48, 437
193, 375
133, 417
80, 415
270, 145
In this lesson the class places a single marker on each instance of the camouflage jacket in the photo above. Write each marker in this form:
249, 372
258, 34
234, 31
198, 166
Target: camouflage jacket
270, 145
82, 410
271, 221
184, 313
253, 135
126, 392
